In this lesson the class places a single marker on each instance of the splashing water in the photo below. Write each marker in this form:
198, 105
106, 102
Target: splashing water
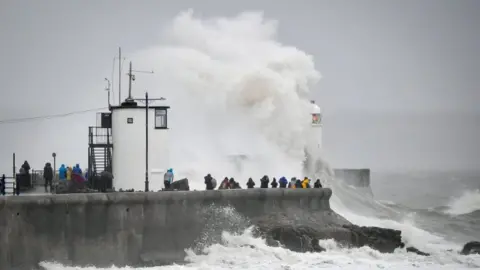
233, 90
467, 203
243, 251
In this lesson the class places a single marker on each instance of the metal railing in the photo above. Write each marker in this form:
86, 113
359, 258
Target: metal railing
99, 135
9, 185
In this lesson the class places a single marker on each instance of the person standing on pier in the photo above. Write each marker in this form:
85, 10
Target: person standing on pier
168, 179
264, 182
292, 182
274, 183
250, 183
62, 173
210, 183
283, 182
69, 173
48, 176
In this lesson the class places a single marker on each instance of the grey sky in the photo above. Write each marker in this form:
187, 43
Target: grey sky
400, 82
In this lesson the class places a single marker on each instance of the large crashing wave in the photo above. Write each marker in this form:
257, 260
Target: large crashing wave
468, 203
233, 90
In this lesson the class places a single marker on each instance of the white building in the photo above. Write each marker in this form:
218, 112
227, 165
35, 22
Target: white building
129, 145
121, 142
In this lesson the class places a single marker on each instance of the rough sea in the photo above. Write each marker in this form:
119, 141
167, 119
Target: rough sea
236, 89
436, 212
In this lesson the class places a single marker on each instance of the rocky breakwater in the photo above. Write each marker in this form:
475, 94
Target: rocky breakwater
155, 228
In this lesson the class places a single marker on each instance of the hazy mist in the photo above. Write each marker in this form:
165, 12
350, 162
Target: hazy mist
399, 88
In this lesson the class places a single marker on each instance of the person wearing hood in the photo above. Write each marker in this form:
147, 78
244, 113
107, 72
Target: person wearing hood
264, 181
292, 182
48, 176
317, 184
62, 173
274, 183
168, 178
69, 173
306, 183
209, 182
283, 182
26, 167
250, 183
232, 184
224, 184
77, 170
25, 180
298, 183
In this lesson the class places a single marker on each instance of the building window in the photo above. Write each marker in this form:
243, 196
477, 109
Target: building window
160, 118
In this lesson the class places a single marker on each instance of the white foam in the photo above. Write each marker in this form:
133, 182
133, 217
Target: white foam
245, 252
467, 203
233, 89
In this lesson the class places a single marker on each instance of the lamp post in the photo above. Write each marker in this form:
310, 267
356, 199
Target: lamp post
147, 101
54, 155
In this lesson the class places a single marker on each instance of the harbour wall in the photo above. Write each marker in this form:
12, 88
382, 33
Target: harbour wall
134, 228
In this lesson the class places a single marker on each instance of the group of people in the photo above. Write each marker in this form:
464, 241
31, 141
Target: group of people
65, 173
230, 183
227, 183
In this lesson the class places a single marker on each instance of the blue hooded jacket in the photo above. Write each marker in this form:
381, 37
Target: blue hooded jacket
77, 169
168, 176
62, 171
283, 180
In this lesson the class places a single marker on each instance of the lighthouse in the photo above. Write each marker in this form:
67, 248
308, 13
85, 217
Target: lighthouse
314, 143
316, 125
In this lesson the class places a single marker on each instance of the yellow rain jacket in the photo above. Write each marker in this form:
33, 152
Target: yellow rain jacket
305, 182
69, 173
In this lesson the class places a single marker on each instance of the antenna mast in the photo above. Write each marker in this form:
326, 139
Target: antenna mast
131, 77
119, 75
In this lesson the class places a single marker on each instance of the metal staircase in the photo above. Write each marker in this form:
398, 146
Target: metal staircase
100, 150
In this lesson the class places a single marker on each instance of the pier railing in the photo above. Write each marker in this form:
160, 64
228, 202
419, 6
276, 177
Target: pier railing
99, 136
9, 185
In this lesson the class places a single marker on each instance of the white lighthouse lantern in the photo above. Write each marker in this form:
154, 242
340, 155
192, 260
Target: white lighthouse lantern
316, 124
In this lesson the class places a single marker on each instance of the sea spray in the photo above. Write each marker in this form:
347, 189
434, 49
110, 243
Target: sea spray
234, 90
465, 204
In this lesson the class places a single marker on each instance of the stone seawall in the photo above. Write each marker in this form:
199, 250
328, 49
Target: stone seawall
137, 228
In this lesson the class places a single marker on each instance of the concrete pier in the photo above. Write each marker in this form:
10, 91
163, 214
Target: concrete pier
133, 228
